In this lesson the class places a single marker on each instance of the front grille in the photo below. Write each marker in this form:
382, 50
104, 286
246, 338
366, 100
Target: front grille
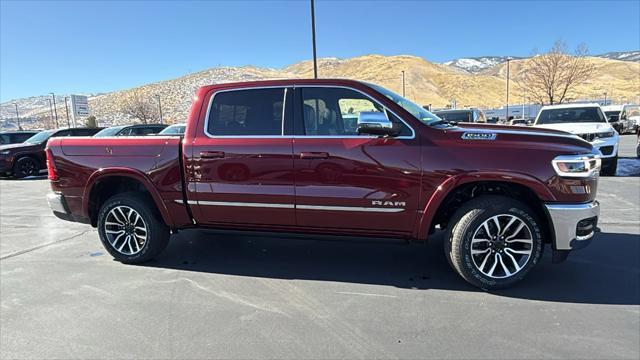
589, 137
606, 150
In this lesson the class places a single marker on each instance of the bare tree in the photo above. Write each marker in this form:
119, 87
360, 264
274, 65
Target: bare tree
136, 106
551, 77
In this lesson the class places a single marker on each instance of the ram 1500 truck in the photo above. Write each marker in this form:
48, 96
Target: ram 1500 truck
335, 157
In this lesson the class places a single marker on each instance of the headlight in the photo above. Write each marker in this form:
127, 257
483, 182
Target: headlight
605, 134
584, 165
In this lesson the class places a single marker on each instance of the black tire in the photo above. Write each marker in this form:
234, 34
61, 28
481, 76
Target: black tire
609, 166
466, 222
25, 166
157, 233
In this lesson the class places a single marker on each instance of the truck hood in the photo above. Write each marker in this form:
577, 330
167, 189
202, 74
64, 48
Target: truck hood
578, 128
518, 136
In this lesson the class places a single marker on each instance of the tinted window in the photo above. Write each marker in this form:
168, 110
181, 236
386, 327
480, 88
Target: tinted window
570, 115
5, 139
174, 130
247, 112
335, 111
40, 137
459, 116
83, 132
18, 138
146, 130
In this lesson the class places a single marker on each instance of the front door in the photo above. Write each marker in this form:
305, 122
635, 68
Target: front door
350, 181
242, 165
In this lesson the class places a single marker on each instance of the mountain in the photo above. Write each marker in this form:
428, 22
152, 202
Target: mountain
475, 65
426, 83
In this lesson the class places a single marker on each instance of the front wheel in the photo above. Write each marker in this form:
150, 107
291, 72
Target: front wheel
494, 241
130, 228
25, 166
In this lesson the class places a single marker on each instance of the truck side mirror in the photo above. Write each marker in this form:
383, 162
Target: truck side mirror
375, 123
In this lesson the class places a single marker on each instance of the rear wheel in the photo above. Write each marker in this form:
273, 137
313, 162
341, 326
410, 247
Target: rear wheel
25, 166
494, 241
131, 229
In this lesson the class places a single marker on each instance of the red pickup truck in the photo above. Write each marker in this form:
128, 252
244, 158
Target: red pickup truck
335, 157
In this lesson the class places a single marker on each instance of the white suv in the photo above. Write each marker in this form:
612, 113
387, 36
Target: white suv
587, 121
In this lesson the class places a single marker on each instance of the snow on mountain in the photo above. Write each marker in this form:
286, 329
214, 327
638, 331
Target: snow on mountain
476, 64
622, 55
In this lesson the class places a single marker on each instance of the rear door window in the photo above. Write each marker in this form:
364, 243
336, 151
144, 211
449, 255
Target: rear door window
251, 112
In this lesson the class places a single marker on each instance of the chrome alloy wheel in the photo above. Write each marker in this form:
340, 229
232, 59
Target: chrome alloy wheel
125, 229
501, 246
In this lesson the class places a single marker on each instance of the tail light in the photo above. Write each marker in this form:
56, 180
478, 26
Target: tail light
51, 166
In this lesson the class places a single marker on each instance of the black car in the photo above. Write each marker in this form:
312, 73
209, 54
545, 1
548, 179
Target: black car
28, 158
131, 130
462, 115
15, 137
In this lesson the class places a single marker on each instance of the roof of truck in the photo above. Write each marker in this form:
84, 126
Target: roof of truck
569, 106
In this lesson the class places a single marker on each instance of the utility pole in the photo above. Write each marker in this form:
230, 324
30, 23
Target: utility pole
67, 108
605, 99
159, 108
507, 117
403, 89
17, 116
55, 124
313, 39
55, 108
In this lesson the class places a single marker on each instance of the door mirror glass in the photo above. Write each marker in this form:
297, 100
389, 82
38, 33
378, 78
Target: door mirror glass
375, 123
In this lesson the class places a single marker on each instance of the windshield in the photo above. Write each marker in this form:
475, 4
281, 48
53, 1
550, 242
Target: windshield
459, 116
40, 137
110, 131
633, 111
571, 115
173, 130
416, 110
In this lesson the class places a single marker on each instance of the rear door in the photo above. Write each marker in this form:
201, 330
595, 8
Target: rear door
241, 165
350, 181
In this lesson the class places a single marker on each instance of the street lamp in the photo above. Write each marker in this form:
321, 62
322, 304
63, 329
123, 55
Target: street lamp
55, 124
507, 117
313, 39
55, 109
605, 99
159, 107
403, 92
17, 116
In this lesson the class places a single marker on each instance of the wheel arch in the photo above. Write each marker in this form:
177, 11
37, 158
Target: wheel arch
105, 183
455, 191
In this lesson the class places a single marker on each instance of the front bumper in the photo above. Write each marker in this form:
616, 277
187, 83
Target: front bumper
608, 147
574, 225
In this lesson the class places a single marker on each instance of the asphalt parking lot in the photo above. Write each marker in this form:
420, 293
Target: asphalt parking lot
212, 295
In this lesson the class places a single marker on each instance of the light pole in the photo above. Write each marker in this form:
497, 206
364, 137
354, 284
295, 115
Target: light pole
403, 92
605, 99
55, 124
507, 117
67, 108
55, 108
313, 39
17, 116
159, 108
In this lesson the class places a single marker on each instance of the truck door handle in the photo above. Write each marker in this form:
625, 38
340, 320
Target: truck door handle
314, 155
212, 154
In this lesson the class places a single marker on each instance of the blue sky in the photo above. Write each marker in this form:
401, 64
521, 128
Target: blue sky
92, 46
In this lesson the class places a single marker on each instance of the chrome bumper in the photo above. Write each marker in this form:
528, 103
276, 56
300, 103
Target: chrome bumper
573, 224
56, 203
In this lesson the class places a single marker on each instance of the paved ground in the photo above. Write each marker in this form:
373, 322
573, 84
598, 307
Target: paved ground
228, 296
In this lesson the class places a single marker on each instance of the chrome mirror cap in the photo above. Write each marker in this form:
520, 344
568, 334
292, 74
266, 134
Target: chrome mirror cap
375, 123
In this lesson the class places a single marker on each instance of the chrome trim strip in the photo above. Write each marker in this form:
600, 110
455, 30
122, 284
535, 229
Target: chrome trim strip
348, 208
206, 120
588, 206
190, 202
247, 204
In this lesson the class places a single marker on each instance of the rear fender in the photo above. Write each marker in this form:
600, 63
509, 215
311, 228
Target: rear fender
130, 173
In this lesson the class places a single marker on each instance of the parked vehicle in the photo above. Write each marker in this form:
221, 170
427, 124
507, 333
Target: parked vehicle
638, 145
28, 158
131, 130
519, 122
612, 112
175, 129
276, 156
587, 121
15, 137
630, 118
462, 115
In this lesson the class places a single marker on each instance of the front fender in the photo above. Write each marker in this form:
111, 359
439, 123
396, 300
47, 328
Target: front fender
453, 182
